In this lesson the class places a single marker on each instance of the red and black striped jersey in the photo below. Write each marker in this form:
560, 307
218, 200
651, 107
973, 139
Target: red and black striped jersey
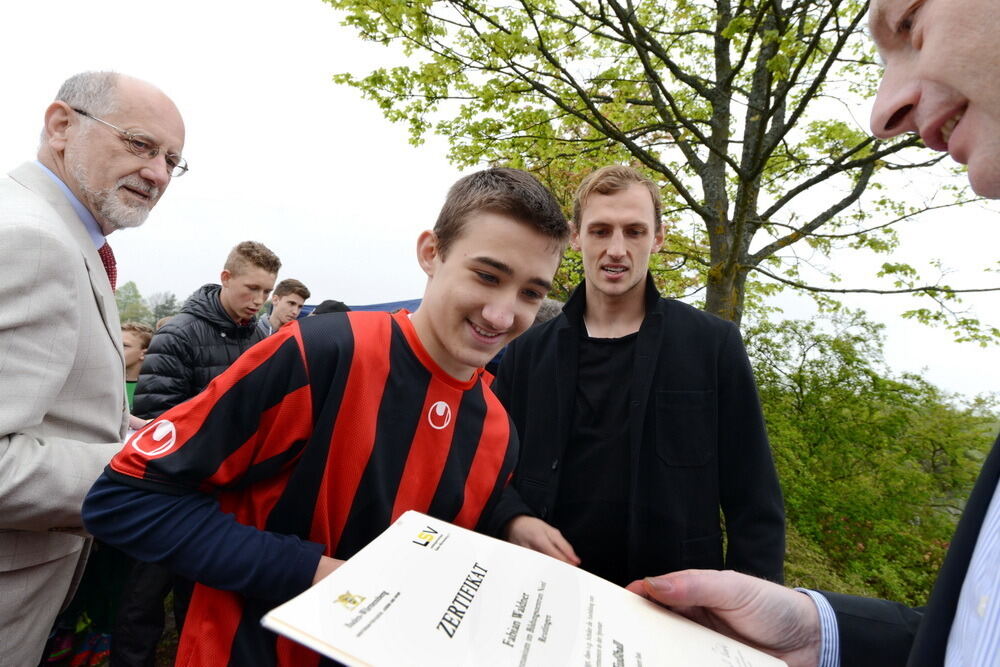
327, 430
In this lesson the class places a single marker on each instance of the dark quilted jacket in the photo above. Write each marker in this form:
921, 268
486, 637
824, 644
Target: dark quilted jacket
192, 348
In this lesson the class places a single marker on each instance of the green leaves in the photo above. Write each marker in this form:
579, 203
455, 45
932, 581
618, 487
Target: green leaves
131, 307
738, 26
746, 115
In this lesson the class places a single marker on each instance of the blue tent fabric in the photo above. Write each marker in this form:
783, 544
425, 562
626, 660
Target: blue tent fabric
389, 306
409, 304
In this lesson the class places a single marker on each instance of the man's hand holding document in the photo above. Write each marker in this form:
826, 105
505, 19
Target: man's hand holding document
427, 592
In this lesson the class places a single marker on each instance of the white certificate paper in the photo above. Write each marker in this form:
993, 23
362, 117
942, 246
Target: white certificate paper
426, 592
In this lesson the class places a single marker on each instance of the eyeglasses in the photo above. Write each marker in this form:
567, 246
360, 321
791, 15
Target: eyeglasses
143, 146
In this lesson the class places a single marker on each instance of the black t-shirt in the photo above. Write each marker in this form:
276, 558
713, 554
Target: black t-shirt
592, 502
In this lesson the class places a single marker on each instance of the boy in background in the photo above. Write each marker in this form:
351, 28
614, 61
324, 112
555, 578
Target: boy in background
286, 304
135, 342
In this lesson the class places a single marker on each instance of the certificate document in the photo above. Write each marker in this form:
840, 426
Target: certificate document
426, 592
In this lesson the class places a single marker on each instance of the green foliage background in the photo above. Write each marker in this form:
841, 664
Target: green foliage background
132, 307
875, 466
746, 114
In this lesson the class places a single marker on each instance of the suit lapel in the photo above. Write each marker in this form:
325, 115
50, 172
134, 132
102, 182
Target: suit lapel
32, 177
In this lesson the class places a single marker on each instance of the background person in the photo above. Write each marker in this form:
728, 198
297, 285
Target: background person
135, 342
330, 306
638, 415
215, 326
286, 304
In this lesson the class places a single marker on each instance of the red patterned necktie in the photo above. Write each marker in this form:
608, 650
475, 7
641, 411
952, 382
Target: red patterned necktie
110, 266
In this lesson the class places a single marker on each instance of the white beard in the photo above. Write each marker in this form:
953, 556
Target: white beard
109, 204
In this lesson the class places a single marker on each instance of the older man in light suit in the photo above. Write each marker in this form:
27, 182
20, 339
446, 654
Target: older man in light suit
109, 148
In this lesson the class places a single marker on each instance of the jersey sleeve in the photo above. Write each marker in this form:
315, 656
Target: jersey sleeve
248, 421
191, 536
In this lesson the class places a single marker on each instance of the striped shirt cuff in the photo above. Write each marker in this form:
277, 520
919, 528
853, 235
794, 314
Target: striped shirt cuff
829, 643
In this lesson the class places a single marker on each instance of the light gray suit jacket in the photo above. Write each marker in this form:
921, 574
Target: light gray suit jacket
62, 406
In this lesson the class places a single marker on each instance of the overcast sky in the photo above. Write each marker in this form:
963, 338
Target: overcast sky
281, 155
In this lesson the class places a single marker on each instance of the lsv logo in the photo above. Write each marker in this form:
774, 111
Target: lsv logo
425, 537
161, 438
439, 416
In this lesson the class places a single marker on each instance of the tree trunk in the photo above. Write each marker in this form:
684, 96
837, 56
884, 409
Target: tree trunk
725, 291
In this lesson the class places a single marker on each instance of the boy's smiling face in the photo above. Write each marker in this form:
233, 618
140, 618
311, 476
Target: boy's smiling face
484, 292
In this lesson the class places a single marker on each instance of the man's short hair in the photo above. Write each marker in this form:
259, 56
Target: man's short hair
291, 286
143, 331
94, 92
609, 180
502, 190
251, 253
160, 322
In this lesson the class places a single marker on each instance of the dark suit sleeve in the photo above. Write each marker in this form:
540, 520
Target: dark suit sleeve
750, 492
166, 376
873, 633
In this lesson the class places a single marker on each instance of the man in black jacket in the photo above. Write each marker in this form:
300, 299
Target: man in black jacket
215, 326
941, 60
638, 416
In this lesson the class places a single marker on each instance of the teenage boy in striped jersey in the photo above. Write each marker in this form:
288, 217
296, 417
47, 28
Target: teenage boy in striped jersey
316, 439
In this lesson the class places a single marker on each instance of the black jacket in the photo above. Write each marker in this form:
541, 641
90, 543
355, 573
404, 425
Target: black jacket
878, 633
697, 439
189, 351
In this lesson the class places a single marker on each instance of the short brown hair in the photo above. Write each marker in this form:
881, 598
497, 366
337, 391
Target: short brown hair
502, 190
291, 286
251, 253
143, 331
612, 179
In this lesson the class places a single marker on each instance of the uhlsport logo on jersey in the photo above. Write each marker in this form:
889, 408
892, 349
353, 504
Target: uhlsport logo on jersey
439, 416
155, 439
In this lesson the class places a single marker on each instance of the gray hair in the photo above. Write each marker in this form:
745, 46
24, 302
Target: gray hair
549, 309
94, 92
